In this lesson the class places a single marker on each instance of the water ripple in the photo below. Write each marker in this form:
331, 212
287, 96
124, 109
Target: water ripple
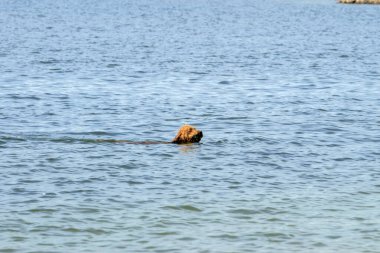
286, 96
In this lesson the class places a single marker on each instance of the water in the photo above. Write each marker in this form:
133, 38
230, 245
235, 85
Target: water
286, 93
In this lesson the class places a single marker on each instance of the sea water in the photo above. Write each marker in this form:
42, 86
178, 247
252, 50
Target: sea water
286, 92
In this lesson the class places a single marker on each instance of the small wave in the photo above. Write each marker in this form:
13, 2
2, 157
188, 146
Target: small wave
14, 96
42, 210
51, 61
95, 231
166, 233
92, 133
87, 210
277, 235
184, 207
198, 73
244, 211
29, 181
53, 159
132, 182
113, 65
217, 142
342, 159
87, 140
232, 118
4, 139
65, 140
225, 236
267, 210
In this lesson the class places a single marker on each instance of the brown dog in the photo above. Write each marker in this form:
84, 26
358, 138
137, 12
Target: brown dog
187, 134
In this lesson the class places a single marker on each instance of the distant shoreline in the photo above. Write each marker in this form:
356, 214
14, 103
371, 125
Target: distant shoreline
359, 1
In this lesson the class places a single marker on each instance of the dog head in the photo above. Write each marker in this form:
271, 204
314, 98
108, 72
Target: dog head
187, 134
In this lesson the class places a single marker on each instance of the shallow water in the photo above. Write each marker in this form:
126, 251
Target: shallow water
286, 93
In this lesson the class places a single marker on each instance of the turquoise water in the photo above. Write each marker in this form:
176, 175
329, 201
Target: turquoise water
286, 93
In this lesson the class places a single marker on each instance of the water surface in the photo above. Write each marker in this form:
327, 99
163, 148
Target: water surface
286, 93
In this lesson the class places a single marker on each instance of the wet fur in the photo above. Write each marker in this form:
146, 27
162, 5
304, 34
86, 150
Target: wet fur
187, 134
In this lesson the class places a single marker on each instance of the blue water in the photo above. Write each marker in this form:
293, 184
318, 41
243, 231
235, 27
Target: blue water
286, 93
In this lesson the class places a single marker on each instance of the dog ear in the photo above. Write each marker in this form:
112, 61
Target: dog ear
178, 139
